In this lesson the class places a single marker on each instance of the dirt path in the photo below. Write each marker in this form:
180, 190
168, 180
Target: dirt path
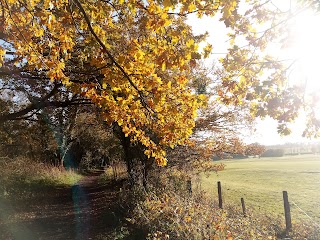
84, 211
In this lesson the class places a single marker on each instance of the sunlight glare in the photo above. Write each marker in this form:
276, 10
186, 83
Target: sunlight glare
306, 49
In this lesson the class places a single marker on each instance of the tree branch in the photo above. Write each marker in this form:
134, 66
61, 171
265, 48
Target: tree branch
43, 103
110, 56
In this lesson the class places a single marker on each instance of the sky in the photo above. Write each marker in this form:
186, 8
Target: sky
304, 48
267, 133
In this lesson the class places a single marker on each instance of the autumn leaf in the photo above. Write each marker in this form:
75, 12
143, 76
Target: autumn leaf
167, 3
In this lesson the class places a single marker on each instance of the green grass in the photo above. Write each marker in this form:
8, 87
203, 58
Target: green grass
25, 176
53, 176
261, 182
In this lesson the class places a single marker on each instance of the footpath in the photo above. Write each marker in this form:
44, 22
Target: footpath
87, 210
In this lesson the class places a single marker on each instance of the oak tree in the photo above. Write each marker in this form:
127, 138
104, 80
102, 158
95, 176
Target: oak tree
133, 58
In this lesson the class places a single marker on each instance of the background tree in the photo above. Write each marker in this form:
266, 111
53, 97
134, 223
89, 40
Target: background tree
255, 149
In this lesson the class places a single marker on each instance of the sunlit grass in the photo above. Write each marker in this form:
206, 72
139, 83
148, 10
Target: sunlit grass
55, 176
23, 175
261, 182
116, 172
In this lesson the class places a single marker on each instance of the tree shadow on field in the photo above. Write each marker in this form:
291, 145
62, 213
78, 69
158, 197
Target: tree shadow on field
84, 211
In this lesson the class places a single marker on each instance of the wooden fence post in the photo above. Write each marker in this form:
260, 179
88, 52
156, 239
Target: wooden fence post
287, 212
220, 194
243, 207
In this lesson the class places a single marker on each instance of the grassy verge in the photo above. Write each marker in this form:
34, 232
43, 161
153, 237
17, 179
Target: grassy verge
170, 216
20, 177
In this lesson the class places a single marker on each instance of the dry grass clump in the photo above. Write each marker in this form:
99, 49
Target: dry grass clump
22, 175
171, 216
114, 172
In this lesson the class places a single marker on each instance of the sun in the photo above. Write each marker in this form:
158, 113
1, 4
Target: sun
305, 50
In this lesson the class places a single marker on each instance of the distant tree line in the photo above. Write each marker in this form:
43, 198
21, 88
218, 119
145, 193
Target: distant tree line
273, 153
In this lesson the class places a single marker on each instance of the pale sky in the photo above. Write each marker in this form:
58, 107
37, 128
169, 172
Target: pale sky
267, 132
305, 48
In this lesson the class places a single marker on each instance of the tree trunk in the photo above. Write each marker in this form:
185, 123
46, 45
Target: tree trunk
137, 163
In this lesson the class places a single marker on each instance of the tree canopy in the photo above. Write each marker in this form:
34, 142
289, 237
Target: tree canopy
133, 59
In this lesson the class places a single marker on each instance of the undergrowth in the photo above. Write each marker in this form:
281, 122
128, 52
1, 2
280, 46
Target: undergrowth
115, 172
169, 211
21, 176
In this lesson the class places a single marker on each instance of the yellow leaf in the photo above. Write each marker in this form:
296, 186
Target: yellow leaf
167, 3
39, 33
202, 97
192, 7
190, 43
163, 67
2, 53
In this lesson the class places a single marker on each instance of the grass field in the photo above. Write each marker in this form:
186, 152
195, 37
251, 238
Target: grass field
261, 182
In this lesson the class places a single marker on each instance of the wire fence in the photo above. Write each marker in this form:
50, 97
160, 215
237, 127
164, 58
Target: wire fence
306, 214
286, 203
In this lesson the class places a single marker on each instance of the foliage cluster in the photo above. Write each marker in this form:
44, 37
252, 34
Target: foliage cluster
191, 159
69, 137
21, 177
97, 143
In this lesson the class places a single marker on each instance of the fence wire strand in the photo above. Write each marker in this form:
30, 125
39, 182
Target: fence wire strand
314, 222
